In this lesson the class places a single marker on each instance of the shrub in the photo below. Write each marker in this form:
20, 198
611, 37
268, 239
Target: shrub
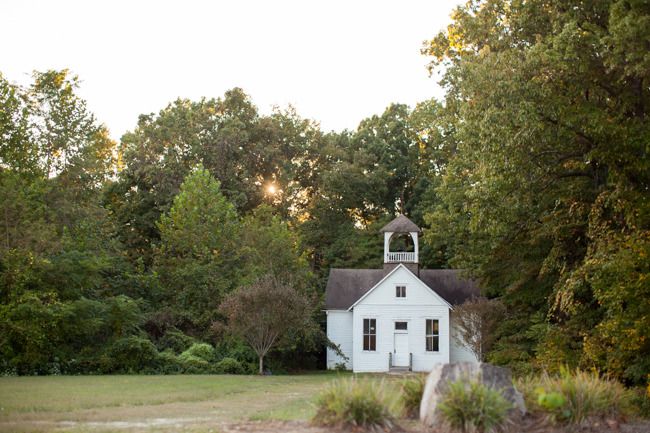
573, 396
195, 365
472, 406
175, 340
412, 390
356, 403
203, 351
168, 363
229, 366
130, 354
641, 402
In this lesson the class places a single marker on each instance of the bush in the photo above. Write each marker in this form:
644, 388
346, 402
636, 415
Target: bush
356, 403
130, 355
412, 390
203, 351
168, 363
175, 340
229, 366
195, 365
573, 396
641, 401
472, 406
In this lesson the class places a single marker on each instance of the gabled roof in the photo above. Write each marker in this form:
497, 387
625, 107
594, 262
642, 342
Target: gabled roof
401, 224
347, 286
401, 265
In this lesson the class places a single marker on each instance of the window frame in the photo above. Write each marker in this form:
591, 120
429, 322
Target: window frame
372, 332
434, 335
400, 294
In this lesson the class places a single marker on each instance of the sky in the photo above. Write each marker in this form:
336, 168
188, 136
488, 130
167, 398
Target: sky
336, 62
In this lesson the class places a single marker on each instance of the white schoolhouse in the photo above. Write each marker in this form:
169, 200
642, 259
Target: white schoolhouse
399, 317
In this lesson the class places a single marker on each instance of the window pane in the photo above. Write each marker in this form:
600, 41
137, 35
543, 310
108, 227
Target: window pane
403, 326
366, 342
373, 323
435, 326
366, 326
428, 331
373, 342
435, 344
397, 291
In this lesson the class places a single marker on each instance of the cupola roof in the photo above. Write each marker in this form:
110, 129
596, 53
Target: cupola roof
401, 224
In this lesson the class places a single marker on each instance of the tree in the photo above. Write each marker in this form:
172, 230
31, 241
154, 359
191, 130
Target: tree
265, 312
476, 321
197, 258
268, 246
548, 179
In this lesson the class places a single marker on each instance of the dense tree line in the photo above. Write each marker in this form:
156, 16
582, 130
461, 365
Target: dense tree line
546, 196
532, 175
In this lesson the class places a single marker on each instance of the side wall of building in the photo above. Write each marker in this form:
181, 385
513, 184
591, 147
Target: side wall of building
459, 352
339, 331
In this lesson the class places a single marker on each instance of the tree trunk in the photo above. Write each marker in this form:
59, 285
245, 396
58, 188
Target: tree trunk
261, 365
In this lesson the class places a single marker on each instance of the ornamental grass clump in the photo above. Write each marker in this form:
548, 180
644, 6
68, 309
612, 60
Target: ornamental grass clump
358, 403
574, 396
412, 390
470, 406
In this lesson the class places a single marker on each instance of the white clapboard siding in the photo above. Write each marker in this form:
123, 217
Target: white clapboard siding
420, 303
339, 331
459, 352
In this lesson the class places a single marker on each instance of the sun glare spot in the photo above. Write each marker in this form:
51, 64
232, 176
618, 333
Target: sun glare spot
271, 189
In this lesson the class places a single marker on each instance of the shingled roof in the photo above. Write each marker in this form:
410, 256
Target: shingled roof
401, 224
346, 286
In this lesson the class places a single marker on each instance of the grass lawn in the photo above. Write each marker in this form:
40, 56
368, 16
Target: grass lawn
153, 403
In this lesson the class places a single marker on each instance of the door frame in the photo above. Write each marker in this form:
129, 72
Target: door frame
397, 332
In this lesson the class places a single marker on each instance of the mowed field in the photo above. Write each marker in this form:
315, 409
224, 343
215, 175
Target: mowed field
210, 403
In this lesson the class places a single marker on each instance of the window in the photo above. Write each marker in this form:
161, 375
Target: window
400, 291
370, 334
432, 335
401, 326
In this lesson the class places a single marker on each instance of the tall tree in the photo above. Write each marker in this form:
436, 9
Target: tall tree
550, 172
198, 255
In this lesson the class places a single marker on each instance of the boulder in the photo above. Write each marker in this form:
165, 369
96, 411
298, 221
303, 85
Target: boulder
490, 375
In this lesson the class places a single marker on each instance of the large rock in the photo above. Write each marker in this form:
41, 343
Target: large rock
490, 375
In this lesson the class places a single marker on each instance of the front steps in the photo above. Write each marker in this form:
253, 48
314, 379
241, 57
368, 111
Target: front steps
399, 370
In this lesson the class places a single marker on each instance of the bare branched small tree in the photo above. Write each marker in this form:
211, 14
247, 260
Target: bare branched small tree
265, 312
476, 320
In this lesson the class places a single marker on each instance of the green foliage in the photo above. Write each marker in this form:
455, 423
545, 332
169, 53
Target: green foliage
546, 187
130, 355
198, 259
573, 396
175, 340
194, 365
229, 366
168, 363
354, 403
412, 391
269, 247
202, 351
472, 406
267, 312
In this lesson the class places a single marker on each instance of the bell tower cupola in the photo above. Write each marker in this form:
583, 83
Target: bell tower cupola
401, 244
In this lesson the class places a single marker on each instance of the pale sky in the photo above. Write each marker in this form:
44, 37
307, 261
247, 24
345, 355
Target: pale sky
336, 62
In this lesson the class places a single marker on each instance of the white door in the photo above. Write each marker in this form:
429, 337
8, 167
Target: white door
401, 352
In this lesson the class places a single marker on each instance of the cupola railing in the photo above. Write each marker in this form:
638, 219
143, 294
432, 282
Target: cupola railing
400, 256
